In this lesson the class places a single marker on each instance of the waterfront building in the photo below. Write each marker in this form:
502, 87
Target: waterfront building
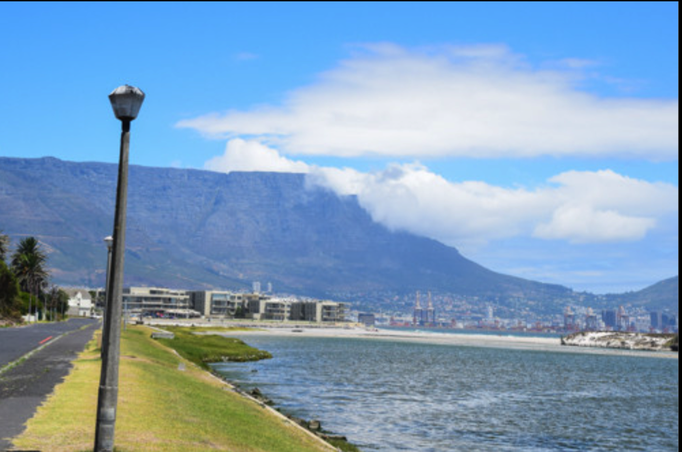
226, 304
214, 303
265, 308
305, 311
331, 311
159, 302
318, 311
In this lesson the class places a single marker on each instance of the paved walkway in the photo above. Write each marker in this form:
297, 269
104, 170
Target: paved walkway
24, 387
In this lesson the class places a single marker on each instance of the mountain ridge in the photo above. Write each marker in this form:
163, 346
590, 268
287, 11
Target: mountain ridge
194, 229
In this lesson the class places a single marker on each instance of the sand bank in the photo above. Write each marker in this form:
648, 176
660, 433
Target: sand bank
456, 339
444, 337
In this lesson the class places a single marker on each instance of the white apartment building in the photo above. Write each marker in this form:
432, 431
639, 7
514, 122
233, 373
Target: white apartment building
256, 306
157, 301
318, 311
214, 303
266, 308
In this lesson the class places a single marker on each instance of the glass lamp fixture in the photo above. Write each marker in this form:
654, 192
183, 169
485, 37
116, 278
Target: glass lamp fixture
126, 101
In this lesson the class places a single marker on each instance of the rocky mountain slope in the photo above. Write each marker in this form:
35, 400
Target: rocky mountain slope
199, 229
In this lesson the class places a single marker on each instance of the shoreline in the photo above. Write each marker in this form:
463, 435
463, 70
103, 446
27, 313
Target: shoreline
268, 404
454, 338
531, 343
311, 428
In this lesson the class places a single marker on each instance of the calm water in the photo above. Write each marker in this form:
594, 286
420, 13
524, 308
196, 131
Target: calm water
397, 396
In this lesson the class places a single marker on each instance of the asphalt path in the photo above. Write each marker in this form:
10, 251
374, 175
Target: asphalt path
26, 385
17, 341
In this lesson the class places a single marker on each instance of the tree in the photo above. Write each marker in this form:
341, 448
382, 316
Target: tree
27, 264
4, 246
56, 302
10, 302
63, 303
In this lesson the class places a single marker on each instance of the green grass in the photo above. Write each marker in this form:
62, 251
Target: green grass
211, 348
160, 408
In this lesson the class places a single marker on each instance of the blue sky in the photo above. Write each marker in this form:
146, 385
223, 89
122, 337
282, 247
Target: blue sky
540, 139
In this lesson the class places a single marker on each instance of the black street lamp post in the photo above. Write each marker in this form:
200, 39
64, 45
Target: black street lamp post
126, 101
109, 242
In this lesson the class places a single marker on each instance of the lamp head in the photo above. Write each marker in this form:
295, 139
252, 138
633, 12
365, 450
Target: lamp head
126, 101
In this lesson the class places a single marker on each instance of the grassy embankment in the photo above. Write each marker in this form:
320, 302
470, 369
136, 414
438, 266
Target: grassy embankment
210, 348
164, 404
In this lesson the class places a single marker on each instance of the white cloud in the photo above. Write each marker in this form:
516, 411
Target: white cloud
584, 224
241, 155
603, 206
409, 197
609, 190
481, 101
579, 207
574, 206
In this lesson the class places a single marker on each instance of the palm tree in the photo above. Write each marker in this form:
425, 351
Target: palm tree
9, 292
4, 246
28, 263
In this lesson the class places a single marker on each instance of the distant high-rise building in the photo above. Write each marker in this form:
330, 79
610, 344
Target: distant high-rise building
622, 320
590, 320
656, 320
609, 316
269, 287
430, 312
569, 319
418, 315
256, 287
669, 322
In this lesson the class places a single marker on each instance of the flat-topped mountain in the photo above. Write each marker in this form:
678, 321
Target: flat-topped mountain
200, 229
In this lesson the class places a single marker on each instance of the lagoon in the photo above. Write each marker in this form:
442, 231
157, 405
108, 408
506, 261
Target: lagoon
397, 395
